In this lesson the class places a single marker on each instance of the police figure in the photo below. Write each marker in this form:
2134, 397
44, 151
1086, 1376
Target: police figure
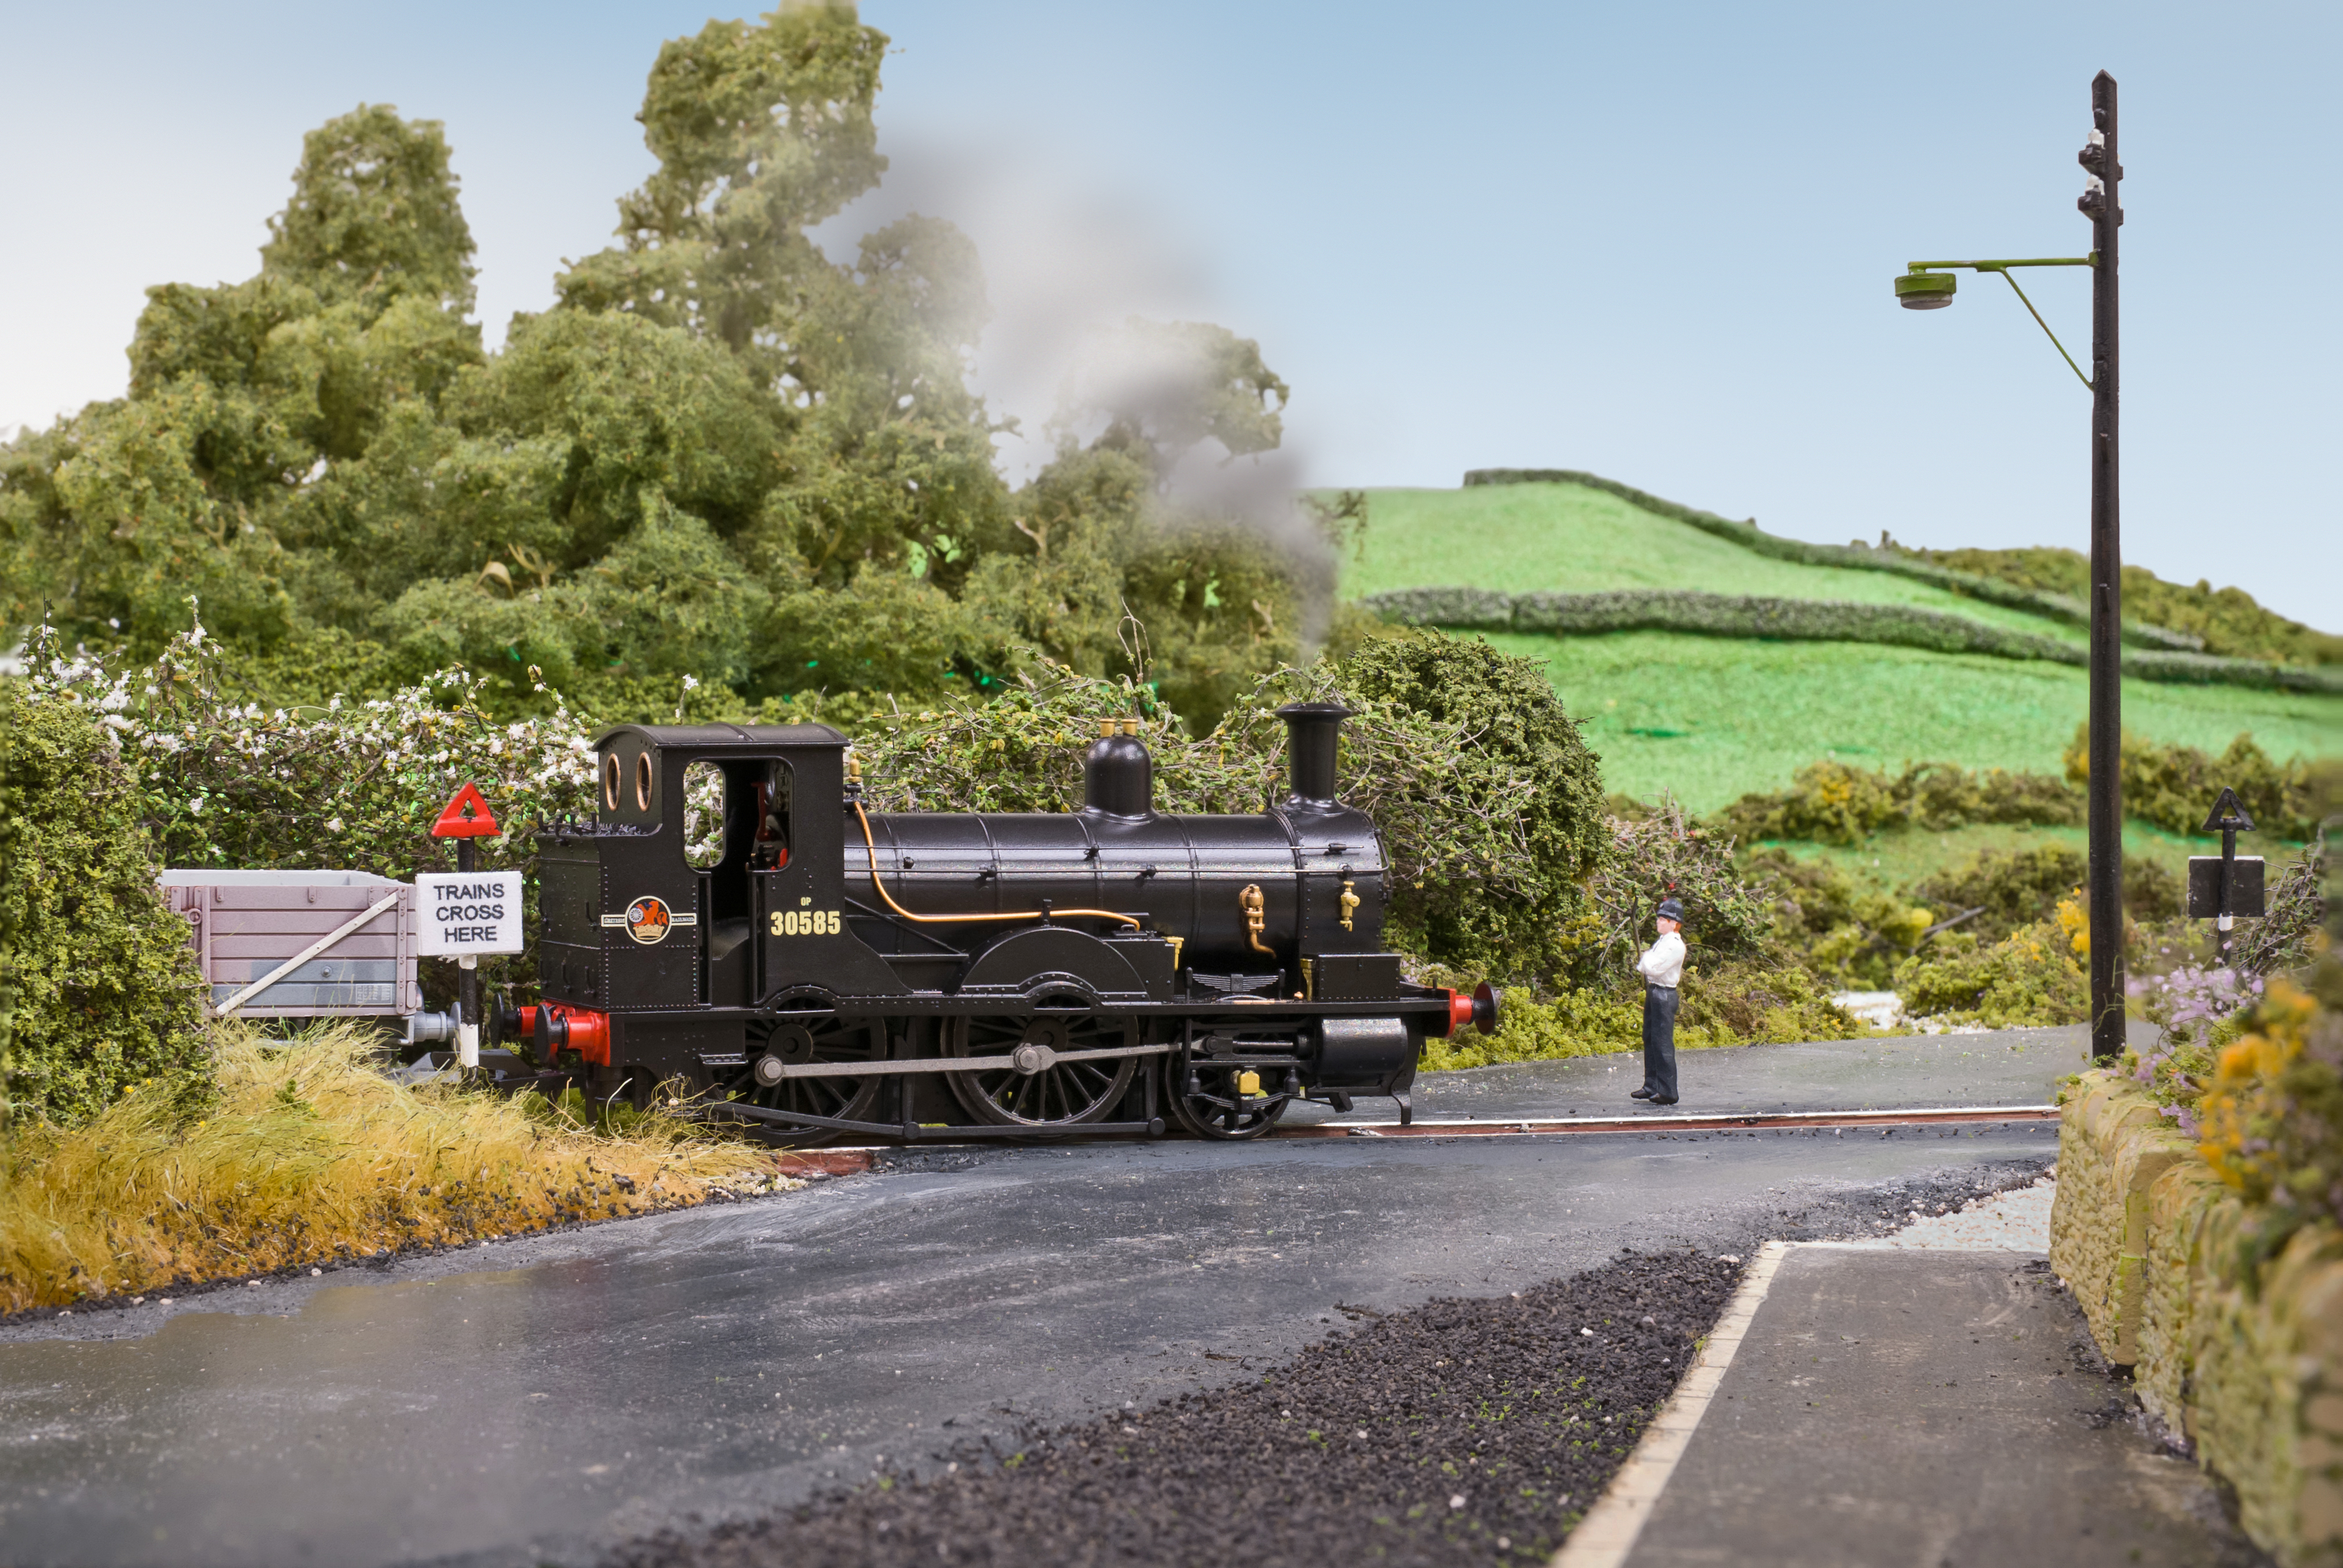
1663, 969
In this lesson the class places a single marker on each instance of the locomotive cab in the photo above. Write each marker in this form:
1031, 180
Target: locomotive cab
702, 873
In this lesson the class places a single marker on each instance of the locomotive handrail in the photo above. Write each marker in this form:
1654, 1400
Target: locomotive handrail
871, 845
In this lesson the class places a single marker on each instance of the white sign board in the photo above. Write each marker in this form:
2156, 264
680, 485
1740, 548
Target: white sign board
463, 913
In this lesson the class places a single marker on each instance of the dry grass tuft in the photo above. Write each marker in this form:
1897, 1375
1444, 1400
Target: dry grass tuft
311, 1155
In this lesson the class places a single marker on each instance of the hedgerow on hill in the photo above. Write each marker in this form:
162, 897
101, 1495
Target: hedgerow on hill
2229, 620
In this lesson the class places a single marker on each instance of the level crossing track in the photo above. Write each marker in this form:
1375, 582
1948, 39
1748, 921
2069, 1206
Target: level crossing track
849, 1160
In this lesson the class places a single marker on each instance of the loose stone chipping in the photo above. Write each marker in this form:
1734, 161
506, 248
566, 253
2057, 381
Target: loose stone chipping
1460, 1432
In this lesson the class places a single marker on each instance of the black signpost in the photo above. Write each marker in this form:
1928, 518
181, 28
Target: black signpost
2223, 887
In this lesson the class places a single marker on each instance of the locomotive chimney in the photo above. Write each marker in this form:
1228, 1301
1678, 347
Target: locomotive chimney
1117, 775
1311, 730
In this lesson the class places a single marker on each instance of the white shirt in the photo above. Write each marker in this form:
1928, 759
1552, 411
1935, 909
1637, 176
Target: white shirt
1663, 963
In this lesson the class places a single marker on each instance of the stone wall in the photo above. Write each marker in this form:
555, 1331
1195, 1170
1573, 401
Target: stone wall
2248, 1363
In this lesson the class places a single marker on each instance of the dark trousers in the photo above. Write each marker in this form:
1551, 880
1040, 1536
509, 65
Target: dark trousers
1660, 1040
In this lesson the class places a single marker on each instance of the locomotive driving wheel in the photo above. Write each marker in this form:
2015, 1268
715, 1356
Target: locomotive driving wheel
1224, 1101
799, 1039
1041, 1090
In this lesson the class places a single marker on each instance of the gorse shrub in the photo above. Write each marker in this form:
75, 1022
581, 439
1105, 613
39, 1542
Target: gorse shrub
2030, 977
99, 979
1833, 803
2272, 1118
2174, 786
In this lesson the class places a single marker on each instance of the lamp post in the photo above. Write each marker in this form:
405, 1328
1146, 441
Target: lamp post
1930, 285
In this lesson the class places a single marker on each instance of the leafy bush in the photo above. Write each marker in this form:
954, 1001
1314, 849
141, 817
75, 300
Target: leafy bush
1716, 615
210, 781
1658, 855
720, 452
2028, 978
2174, 786
100, 983
1763, 1002
1832, 802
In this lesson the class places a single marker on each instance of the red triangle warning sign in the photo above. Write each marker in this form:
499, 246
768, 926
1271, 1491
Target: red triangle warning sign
467, 816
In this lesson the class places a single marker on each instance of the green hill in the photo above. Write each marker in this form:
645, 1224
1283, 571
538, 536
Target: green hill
1712, 717
1516, 539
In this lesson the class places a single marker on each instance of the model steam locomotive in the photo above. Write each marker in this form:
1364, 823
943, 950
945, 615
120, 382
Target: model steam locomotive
831, 971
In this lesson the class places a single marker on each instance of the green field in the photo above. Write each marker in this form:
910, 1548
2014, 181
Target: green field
1712, 719
1516, 539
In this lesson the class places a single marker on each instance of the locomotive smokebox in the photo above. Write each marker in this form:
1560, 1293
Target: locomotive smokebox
1311, 730
1118, 774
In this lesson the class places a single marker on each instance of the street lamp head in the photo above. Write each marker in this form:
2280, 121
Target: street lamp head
1924, 290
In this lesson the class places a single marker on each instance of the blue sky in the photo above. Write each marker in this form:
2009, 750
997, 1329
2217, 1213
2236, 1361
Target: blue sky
1655, 241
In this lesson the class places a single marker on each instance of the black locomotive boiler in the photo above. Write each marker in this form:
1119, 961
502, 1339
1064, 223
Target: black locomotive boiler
827, 970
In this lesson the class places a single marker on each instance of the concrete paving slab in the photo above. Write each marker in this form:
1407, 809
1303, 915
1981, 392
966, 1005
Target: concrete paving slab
1999, 1067
1939, 1408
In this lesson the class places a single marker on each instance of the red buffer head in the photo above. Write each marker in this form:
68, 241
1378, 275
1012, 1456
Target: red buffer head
1479, 1010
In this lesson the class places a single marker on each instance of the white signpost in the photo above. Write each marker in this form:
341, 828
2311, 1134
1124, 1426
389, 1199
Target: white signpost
464, 914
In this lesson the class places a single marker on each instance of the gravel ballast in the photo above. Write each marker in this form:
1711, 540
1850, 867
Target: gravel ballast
1461, 1431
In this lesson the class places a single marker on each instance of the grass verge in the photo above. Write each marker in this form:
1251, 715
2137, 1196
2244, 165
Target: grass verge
310, 1155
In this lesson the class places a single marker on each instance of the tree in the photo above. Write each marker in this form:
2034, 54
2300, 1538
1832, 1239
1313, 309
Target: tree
719, 453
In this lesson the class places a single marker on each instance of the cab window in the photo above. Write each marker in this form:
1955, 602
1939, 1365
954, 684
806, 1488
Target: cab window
703, 816
769, 850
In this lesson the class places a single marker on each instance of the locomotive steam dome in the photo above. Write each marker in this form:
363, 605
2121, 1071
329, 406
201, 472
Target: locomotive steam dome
1118, 774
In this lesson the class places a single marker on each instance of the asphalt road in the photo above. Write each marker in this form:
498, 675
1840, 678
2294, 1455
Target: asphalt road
539, 1400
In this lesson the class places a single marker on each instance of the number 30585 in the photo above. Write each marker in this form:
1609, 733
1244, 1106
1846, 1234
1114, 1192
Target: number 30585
806, 923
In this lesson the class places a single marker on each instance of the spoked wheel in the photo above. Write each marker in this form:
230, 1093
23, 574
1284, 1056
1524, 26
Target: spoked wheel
798, 1041
1210, 1100
1041, 1090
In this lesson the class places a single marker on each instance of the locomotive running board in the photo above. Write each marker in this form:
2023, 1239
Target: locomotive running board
1704, 1122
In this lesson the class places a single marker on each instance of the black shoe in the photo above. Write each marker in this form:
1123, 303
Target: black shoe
1639, 1094
1669, 1100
